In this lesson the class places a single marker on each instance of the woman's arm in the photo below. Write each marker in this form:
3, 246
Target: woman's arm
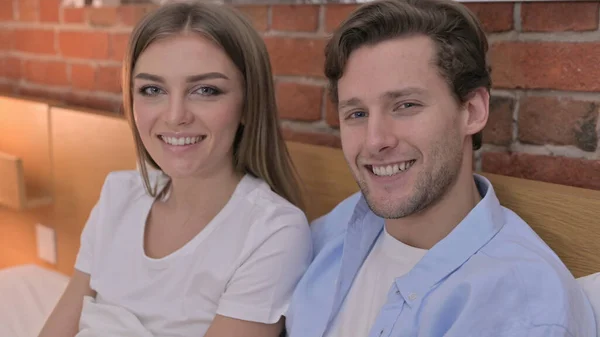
223, 326
64, 320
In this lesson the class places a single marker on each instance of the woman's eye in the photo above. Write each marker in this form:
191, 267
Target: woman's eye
150, 90
208, 91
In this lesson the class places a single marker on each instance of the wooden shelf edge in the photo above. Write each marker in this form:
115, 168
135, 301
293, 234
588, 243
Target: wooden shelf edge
13, 191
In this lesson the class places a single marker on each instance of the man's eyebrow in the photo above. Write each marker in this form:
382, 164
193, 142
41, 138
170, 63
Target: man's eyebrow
391, 95
348, 103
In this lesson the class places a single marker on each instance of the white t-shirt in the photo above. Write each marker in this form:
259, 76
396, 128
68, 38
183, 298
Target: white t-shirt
244, 264
388, 260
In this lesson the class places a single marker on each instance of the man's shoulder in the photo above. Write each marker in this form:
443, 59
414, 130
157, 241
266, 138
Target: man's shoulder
517, 271
335, 222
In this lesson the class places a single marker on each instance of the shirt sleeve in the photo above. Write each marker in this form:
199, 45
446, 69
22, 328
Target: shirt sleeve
89, 238
261, 288
85, 254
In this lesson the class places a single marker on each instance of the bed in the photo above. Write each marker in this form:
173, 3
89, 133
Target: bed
28, 293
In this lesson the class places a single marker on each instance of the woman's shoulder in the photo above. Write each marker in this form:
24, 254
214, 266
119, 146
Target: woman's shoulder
127, 185
265, 202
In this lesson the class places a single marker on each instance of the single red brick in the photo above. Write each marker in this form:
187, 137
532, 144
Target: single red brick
257, 14
6, 39
561, 121
28, 10
118, 45
316, 138
559, 170
73, 15
13, 67
299, 101
494, 17
102, 16
49, 10
560, 16
335, 14
37, 41
332, 116
46, 72
87, 45
295, 18
130, 15
108, 78
546, 65
83, 76
499, 127
296, 56
6, 10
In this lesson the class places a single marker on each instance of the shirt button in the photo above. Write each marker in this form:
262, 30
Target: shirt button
412, 296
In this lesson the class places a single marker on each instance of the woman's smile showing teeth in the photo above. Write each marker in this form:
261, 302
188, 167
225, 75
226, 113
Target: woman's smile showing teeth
180, 141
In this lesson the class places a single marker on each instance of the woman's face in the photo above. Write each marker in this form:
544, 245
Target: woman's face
187, 104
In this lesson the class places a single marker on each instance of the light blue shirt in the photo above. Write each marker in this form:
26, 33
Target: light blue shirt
491, 276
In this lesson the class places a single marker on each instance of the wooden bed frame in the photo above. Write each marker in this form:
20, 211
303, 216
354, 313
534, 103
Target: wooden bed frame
86, 145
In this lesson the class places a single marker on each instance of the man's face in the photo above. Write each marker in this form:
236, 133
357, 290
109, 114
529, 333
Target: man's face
402, 131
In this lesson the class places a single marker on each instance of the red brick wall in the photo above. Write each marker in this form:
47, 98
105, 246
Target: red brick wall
545, 57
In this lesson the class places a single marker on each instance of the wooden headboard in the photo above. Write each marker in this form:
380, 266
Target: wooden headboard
566, 218
74, 150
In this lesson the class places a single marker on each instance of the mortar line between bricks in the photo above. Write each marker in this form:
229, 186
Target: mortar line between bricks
566, 151
46, 57
518, 24
559, 37
16, 11
508, 93
576, 95
301, 80
64, 27
306, 126
515, 117
321, 27
301, 35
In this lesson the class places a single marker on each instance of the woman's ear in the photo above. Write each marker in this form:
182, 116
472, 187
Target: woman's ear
478, 110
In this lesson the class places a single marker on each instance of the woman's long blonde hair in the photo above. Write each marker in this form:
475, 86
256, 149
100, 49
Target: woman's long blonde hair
259, 148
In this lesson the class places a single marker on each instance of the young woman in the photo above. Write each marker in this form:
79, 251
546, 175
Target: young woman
208, 239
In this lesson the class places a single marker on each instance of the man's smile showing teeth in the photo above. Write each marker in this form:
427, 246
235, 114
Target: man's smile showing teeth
181, 141
392, 169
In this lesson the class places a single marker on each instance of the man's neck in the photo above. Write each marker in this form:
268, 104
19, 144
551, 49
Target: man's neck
428, 227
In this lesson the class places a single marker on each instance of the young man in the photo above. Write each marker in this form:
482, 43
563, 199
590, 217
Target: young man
425, 249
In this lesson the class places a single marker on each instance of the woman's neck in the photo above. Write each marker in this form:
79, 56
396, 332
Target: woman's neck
207, 193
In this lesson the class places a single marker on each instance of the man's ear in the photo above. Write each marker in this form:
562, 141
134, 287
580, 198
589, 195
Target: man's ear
478, 109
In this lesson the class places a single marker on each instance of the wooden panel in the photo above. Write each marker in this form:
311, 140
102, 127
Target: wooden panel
86, 146
12, 182
566, 218
24, 133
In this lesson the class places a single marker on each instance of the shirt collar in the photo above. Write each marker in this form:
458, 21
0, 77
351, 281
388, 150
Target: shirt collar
479, 226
